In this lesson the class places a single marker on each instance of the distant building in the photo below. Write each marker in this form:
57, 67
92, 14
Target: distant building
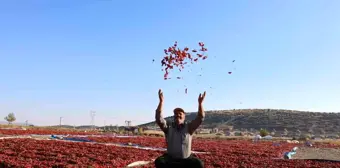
152, 128
204, 131
215, 130
316, 137
333, 136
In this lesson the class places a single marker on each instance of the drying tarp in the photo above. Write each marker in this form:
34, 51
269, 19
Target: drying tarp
77, 139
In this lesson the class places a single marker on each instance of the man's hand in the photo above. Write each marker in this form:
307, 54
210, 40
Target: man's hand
160, 95
201, 98
159, 119
200, 115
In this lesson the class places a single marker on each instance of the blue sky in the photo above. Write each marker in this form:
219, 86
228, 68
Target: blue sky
65, 58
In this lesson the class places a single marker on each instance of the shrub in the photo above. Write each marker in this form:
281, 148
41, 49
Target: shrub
305, 137
264, 132
10, 118
238, 134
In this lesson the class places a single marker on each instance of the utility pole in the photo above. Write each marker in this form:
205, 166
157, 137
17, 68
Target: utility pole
61, 119
26, 123
93, 114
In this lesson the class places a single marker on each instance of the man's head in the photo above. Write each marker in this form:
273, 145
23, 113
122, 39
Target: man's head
179, 115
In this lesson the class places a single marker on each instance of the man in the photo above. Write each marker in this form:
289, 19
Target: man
178, 136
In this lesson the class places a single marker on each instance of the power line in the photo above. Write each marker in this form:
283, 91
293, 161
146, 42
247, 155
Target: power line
128, 123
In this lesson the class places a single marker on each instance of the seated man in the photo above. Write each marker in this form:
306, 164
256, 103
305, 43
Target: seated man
178, 136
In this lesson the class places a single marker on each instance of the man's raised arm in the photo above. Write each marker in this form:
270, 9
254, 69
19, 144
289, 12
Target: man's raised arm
161, 122
199, 117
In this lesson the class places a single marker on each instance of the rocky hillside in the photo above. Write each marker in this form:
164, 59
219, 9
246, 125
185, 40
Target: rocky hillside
270, 119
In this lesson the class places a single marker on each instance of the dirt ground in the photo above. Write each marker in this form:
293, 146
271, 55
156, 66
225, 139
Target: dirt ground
317, 153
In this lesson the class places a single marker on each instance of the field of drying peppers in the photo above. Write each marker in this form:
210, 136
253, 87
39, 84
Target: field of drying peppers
222, 153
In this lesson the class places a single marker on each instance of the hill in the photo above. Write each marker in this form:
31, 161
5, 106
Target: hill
270, 119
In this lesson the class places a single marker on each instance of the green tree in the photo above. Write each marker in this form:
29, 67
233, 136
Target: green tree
264, 132
10, 118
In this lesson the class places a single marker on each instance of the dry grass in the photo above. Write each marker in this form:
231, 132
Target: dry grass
10, 126
54, 128
211, 136
329, 141
335, 142
317, 153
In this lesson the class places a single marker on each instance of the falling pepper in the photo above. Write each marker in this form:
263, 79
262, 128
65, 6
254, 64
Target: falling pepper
177, 58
